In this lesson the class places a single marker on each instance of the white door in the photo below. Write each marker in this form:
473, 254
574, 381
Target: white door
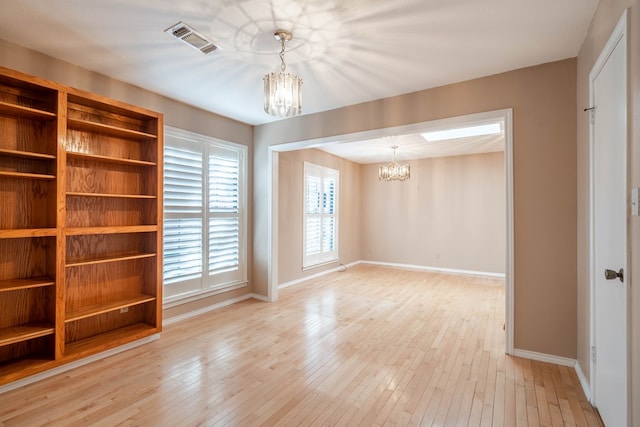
609, 233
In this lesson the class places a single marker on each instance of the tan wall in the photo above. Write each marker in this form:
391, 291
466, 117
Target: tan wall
290, 195
450, 214
175, 114
543, 99
604, 21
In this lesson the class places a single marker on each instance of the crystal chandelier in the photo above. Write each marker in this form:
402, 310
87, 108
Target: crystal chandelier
282, 91
393, 171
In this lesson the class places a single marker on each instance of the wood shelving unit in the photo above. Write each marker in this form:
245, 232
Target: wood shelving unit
94, 310
16, 334
80, 234
31, 282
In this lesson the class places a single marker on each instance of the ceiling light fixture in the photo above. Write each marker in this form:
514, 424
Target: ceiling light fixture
282, 91
464, 132
393, 171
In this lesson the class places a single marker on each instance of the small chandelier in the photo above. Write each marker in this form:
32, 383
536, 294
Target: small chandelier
282, 91
393, 171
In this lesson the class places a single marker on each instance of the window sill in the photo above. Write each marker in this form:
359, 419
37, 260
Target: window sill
320, 264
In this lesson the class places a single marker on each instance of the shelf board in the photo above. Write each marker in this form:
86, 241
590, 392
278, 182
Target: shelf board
26, 154
118, 132
80, 231
108, 340
31, 282
114, 258
22, 367
15, 334
11, 174
115, 196
107, 159
19, 111
28, 232
94, 310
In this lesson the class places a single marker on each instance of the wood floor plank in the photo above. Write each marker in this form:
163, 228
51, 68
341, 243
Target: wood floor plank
371, 346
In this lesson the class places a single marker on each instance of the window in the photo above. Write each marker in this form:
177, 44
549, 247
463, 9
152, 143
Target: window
320, 215
204, 215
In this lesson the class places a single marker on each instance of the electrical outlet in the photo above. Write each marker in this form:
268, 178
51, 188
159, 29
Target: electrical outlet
124, 310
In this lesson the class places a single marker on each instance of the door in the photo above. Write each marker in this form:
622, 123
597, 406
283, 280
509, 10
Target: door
609, 232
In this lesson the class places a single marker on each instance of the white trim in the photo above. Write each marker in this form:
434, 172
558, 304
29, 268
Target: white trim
76, 364
509, 288
586, 388
203, 310
273, 164
543, 357
340, 267
504, 114
436, 269
261, 298
618, 34
177, 300
343, 267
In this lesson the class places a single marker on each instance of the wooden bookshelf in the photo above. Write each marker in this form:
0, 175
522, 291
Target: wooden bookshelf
80, 235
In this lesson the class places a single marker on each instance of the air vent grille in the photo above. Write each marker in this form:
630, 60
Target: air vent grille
193, 38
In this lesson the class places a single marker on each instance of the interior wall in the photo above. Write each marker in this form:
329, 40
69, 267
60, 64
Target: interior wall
450, 214
603, 23
291, 211
176, 114
543, 99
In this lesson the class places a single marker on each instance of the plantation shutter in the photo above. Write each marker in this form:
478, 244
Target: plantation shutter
204, 215
320, 215
224, 212
183, 209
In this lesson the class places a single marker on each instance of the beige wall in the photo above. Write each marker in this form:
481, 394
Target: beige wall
175, 114
543, 99
604, 21
290, 208
450, 214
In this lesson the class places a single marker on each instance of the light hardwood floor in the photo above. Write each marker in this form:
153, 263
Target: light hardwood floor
371, 346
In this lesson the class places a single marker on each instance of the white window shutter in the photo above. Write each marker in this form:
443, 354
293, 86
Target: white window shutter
204, 214
320, 232
182, 247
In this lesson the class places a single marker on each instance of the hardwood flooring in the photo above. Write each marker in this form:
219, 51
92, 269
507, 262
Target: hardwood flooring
371, 346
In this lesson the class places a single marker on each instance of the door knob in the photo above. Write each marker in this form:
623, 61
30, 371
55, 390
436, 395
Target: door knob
611, 275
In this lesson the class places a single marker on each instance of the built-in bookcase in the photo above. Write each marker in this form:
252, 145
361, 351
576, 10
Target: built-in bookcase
80, 224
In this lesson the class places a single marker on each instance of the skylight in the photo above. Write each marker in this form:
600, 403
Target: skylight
464, 132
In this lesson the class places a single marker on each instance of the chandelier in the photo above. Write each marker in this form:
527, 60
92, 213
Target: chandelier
282, 91
393, 171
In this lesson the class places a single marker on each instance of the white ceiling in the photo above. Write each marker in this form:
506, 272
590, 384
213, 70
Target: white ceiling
346, 51
413, 146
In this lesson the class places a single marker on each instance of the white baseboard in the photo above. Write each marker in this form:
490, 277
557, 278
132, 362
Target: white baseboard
260, 297
542, 357
340, 267
436, 269
76, 364
563, 361
203, 310
586, 387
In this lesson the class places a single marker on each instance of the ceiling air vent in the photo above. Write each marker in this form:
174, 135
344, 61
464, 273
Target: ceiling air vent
188, 35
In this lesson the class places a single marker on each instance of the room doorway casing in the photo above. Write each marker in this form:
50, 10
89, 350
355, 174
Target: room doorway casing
608, 230
505, 116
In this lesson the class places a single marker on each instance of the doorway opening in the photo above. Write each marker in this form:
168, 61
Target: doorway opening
504, 117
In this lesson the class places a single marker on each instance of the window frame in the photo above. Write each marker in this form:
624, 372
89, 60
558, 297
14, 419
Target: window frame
179, 292
310, 261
